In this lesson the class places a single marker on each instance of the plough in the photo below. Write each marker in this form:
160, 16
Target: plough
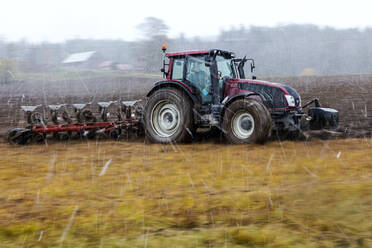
86, 124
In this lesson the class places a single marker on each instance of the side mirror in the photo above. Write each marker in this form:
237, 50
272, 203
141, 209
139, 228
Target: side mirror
252, 67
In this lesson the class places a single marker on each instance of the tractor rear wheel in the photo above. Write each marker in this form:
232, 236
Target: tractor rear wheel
246, 121
168, 116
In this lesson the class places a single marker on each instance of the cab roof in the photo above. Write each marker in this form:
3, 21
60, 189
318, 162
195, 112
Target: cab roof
176, 54
201, 52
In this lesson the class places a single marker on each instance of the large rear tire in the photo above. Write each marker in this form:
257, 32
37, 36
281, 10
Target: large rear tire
168, 116
246, 121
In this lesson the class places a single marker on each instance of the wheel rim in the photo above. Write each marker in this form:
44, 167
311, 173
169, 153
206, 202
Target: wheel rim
242, 125
165, 119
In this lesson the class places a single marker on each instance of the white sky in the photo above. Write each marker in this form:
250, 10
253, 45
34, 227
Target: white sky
58, 20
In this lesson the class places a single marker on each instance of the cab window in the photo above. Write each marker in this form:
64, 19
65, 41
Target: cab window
177, 70
198, 74
224, 66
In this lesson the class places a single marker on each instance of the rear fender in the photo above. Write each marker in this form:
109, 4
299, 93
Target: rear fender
182, 87
174, 84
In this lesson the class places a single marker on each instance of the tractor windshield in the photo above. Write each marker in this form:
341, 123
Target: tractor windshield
226, 67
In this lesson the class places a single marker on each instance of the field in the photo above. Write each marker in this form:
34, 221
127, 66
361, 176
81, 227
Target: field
206, 194
350, 94
132, 194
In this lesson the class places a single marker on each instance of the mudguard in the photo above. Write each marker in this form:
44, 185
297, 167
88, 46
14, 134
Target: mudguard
253, 95
176, 84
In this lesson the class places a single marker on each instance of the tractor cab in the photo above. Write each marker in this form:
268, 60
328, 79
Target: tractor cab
198, 69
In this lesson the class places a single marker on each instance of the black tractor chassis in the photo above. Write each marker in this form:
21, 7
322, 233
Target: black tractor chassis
294, 121
287, 120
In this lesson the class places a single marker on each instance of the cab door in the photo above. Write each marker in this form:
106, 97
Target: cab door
198, 75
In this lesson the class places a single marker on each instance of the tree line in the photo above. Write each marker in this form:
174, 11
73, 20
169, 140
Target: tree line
281, 50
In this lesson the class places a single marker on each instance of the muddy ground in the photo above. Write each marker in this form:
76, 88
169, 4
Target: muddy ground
350, 94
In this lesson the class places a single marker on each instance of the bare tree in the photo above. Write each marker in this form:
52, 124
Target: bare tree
154, 32
152, 28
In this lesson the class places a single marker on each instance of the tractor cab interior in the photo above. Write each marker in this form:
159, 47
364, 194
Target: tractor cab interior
198, 74
197, 70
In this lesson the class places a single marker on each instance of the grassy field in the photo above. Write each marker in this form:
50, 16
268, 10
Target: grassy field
131, 194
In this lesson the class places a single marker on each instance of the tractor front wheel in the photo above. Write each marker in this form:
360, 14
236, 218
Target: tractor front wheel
246, 121
168, 116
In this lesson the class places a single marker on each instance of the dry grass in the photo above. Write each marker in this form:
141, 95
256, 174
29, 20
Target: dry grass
291, 194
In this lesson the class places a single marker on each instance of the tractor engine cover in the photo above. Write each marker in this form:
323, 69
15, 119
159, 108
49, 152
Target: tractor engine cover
323, 118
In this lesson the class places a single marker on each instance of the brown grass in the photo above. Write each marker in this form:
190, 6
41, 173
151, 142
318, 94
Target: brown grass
291, 194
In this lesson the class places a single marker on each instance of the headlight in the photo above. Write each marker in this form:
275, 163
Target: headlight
290, 100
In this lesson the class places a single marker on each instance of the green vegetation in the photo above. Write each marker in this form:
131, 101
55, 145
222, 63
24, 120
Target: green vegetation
291, 194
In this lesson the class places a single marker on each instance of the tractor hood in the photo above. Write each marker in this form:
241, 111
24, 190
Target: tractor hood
275, 95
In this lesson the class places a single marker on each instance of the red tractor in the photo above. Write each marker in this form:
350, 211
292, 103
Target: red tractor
200, 89
209, 89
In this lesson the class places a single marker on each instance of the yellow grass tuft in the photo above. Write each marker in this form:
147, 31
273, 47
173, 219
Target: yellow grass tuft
290, 194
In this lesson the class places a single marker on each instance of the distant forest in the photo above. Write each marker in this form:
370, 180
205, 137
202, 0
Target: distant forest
282, 50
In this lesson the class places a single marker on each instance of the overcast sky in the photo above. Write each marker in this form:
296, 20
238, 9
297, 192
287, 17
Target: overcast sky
58, 20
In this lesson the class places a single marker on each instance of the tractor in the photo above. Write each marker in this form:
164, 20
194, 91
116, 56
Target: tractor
208, 89
201, 89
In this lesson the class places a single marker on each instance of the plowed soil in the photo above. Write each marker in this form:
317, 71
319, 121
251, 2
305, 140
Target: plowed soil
350, 94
